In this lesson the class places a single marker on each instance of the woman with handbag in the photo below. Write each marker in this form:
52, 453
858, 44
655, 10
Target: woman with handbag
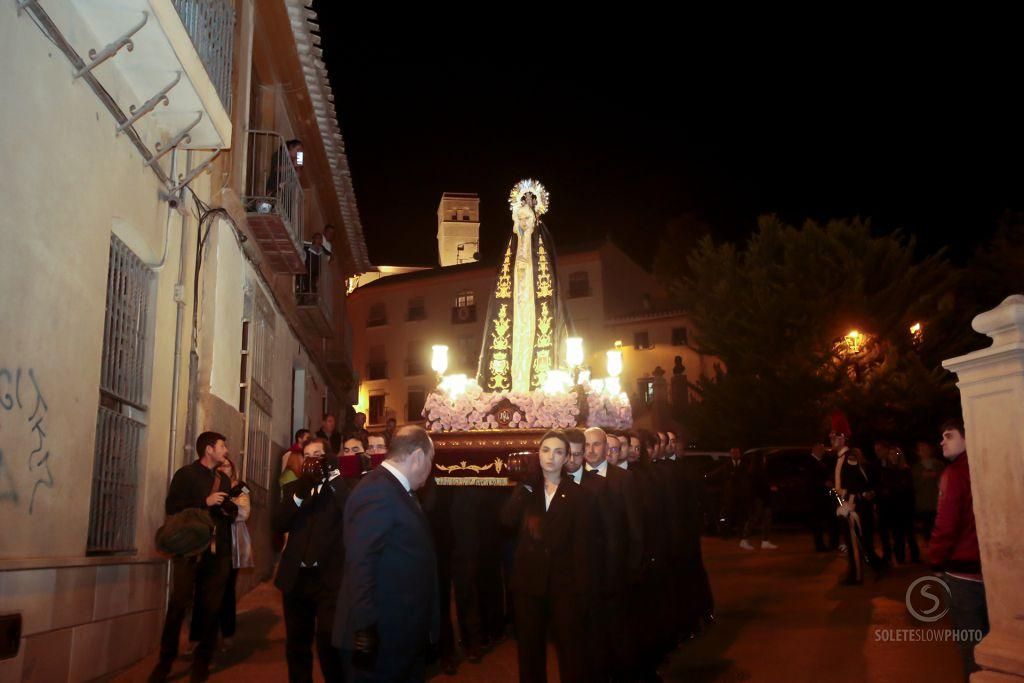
241, 558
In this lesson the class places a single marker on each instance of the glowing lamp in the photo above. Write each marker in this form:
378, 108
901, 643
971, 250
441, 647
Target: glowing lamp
615, 363
597, 385
557, 382
584, 377
574, 351
454, 385
612, 386
439, 359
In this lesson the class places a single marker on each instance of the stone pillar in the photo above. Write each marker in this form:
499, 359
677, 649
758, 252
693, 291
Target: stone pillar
991, 383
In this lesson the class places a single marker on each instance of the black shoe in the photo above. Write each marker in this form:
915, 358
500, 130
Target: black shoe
449, 667
709, 618
851, 582
474, 654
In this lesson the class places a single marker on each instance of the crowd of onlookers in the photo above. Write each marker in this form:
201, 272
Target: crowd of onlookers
599, 542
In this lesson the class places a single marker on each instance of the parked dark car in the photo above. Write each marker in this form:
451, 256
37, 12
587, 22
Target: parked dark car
786, 468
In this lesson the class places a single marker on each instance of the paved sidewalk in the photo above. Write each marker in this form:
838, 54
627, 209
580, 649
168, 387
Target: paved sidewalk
781, 617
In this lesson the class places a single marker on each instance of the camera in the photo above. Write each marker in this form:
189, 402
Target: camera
319, 469
524, 467
298, 158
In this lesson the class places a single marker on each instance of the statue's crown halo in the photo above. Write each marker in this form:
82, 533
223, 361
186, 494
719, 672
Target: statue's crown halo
530, 185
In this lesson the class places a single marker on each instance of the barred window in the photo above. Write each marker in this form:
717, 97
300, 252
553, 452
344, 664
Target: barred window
121, 417
259, 354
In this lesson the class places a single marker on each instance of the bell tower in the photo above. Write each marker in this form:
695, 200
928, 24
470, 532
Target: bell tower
458, 228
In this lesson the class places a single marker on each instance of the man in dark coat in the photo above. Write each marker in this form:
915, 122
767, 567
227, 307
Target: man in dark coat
388, 612
199, 485
623, 542
309, 574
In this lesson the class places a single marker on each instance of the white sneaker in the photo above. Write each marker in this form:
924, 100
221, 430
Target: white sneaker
745, 544
768, 545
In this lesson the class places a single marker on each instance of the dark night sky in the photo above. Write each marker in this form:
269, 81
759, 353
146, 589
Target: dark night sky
623, 150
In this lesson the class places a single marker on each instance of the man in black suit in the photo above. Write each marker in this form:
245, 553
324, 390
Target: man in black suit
388, 609
623, 543
309, 574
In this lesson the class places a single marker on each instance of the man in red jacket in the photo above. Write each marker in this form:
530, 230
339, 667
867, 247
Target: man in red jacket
953, 547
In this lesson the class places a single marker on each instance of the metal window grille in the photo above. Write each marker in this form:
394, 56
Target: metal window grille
258, 467
114, 483
112, 509
211, 26
129, 282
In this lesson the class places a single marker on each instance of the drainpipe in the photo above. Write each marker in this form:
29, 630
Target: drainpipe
179, 321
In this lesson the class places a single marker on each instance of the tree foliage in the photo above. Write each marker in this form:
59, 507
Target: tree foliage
773, 311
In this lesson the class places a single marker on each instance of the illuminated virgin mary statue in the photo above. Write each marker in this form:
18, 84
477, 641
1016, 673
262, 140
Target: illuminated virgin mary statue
525, 317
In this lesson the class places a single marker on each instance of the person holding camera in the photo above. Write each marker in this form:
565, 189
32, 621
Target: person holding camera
241, 558
199, 485
311, 512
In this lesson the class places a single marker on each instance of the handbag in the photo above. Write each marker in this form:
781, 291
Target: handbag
187, 533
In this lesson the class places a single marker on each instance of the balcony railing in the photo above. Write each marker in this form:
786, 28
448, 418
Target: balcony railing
211, 26
274, 201
314, 295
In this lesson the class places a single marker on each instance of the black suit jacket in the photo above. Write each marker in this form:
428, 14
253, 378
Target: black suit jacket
314, 531
552, 554
390, 577
628, 524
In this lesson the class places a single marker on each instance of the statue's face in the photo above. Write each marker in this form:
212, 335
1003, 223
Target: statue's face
525, 217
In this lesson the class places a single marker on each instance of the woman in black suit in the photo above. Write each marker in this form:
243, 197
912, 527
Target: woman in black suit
549, 579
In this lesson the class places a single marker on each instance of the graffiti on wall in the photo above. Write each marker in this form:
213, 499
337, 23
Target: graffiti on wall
23, 447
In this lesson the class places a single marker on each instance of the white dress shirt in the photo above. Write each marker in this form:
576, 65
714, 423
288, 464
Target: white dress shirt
398, 475
548, 497
577, 476
624, 464
601, 469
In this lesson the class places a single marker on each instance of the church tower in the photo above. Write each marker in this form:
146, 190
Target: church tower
458, 228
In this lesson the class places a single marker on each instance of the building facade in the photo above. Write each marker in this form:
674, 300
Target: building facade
613, 302
156, 286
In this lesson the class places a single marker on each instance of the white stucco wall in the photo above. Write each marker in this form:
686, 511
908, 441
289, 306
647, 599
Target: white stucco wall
73, 184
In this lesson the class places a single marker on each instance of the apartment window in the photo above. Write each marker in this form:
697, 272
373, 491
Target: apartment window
641, 340
416, 361
464, 310
378, 315
579, 284
455, 215
259, 353
417, 398
417, 309
465, 216
122, 409
377, 411
679, 336
645, 388
377, 368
